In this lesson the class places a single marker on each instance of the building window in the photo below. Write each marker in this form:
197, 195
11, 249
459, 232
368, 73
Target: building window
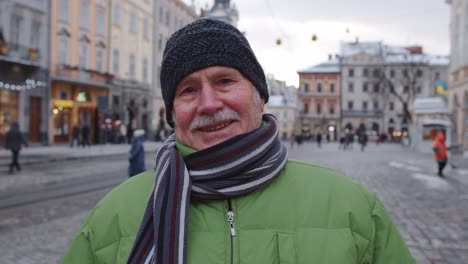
115, 61
332, 88
364, 105
376, 73
418, 89
62, 56
131, 69
419, 73
63, 95
376, 88
115, 100
15, 30
365, 72
436, 76
332, 110
306, 87
160, 42
406, 89
133, 23
350, 87
376, 105
145, 27
319, 87
100, 18
99, 59
319, 108
364, 87
350, 72
168, 18
83, 55
116, 14
391, 106
350, 105
63, 7
35, 33
84, 14
145, 69
392, 73
285, 114
306, 108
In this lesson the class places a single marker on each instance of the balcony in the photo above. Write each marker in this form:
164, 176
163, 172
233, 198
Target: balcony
315, 116
81, 76
20, 54
363, 113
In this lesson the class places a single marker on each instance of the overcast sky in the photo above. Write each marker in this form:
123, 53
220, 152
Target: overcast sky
395, 22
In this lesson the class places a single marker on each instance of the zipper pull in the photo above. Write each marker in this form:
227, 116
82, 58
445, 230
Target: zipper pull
230, 215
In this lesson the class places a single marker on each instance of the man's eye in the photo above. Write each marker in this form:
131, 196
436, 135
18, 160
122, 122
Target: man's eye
188, 90
225, 81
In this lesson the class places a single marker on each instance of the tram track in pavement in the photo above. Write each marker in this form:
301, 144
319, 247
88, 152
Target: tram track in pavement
57, 190
57, 197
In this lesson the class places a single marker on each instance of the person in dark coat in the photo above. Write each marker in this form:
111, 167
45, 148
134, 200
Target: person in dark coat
137, 153
319, 139
85, 136
75, 137
14, 141
363, 138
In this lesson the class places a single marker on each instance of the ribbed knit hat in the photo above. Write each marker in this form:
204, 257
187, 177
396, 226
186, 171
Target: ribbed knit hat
205, 43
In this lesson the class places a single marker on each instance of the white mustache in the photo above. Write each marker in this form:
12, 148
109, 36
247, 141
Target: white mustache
218, 117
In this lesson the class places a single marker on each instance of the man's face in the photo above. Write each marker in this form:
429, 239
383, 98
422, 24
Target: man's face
214, 104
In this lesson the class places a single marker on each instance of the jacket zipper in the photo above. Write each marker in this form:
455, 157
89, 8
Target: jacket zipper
230, 218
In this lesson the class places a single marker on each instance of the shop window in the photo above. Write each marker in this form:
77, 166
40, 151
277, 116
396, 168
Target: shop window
63, 95
115, 100
9, 101
83, 96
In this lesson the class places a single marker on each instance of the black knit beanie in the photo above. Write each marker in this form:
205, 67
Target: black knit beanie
205, 43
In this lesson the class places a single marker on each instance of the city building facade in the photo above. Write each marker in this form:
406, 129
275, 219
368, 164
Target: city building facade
320, 99
282, 103
80, 79
458, 82
131, 63
380, 83
24, 59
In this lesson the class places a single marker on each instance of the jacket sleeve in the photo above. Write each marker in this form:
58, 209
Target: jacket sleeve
388, 245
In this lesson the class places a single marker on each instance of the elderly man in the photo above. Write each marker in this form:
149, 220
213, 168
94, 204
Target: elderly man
223, 190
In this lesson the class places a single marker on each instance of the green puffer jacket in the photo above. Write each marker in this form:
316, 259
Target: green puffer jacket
309, 214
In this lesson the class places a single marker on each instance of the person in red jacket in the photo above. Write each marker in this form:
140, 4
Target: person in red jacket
440, 151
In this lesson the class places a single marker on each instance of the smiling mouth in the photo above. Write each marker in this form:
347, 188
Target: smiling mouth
215, 127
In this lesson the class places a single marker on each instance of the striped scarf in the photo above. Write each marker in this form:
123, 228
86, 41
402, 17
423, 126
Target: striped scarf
235, 167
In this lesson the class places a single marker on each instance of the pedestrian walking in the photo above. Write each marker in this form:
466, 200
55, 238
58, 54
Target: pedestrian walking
13, 141
75, 136
85, 136
292, 139
363, 138
122, 133
137, 153
223, 189
440, 152
318, 137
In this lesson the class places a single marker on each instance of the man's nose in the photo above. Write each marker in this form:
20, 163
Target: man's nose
210, 102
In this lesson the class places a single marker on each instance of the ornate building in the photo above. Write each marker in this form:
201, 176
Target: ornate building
222, 10
24, 49
319, 99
